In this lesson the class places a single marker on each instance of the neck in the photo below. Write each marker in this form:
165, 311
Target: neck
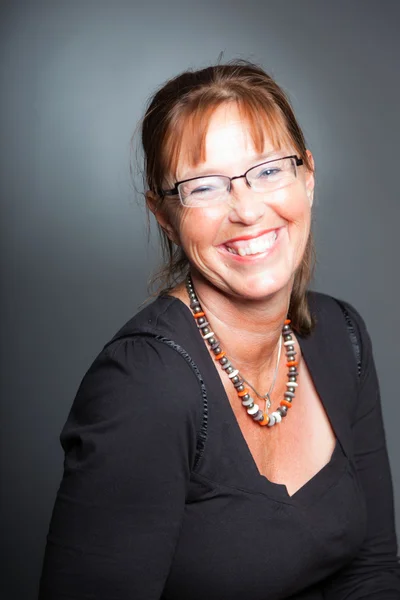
248, 330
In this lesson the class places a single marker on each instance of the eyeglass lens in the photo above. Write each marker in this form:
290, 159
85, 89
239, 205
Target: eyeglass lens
212, 189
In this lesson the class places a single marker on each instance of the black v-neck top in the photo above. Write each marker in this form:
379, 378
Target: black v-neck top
162, 499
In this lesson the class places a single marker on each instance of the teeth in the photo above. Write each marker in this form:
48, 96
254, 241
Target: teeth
255, 246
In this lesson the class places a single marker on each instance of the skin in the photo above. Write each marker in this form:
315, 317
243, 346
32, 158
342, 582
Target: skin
246, 299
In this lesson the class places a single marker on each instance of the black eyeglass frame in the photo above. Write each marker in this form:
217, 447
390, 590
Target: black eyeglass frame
174, 191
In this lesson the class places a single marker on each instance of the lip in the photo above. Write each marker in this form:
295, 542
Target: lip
252, 258
253, 236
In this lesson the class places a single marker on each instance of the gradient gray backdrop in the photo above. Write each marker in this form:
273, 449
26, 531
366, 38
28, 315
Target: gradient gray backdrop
75, 77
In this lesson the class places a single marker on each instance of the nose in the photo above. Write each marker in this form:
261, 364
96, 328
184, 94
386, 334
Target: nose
247, 206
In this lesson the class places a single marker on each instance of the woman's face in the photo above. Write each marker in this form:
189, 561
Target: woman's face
274, 225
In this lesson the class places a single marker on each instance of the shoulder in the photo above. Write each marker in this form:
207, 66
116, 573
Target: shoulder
165, 316
144, 362
137, 375
339, 323
325, 307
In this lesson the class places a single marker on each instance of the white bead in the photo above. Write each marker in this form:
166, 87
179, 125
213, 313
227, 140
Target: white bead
289, 343
292, 384
208, 335
278, 417
252, 411
233, 374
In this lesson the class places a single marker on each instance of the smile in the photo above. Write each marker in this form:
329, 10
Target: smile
253, 246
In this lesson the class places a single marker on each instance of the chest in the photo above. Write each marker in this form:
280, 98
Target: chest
242, 536
293, 451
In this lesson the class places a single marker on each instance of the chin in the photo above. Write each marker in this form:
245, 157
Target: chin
262, 287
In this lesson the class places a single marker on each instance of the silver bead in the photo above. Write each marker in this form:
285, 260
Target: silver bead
248, 402
238, 383
258, 416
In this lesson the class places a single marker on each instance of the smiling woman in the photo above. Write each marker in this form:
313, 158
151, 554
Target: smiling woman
187, 114
228, 441
242, 213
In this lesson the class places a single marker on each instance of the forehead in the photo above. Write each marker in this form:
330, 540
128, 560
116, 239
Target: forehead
230, 136
224, 134
227, 129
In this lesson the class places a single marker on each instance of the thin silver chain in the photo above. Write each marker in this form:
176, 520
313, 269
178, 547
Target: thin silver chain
267, 396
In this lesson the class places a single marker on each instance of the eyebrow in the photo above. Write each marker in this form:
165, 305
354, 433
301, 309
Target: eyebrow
257, 159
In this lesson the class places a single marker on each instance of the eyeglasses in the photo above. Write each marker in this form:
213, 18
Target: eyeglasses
211, 190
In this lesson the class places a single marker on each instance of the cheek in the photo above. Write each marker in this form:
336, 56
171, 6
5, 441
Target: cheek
293, 205
199, 225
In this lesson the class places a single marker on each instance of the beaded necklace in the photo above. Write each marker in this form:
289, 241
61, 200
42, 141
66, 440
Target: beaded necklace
261, 417
267, 396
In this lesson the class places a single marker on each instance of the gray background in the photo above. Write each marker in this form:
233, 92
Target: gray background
75, 77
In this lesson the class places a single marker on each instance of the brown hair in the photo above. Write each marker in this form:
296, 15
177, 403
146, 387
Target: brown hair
177, 118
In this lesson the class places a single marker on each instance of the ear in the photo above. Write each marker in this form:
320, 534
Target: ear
163, 216
310, 178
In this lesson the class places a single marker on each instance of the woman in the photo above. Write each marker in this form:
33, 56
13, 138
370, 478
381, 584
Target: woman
228, 442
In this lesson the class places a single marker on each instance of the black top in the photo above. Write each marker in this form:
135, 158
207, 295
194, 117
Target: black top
161, 497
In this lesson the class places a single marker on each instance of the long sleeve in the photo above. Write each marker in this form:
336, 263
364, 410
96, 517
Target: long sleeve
129, 444
375, 572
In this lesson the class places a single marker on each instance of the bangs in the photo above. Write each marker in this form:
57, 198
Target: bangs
187, 130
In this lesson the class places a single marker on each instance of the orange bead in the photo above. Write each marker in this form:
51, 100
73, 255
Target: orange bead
199, 314
220, 355
243, 393
286, 403
287, 321
292, 363
265, 421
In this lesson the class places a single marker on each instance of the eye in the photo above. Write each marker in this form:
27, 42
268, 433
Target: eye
204, 189
269, 172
